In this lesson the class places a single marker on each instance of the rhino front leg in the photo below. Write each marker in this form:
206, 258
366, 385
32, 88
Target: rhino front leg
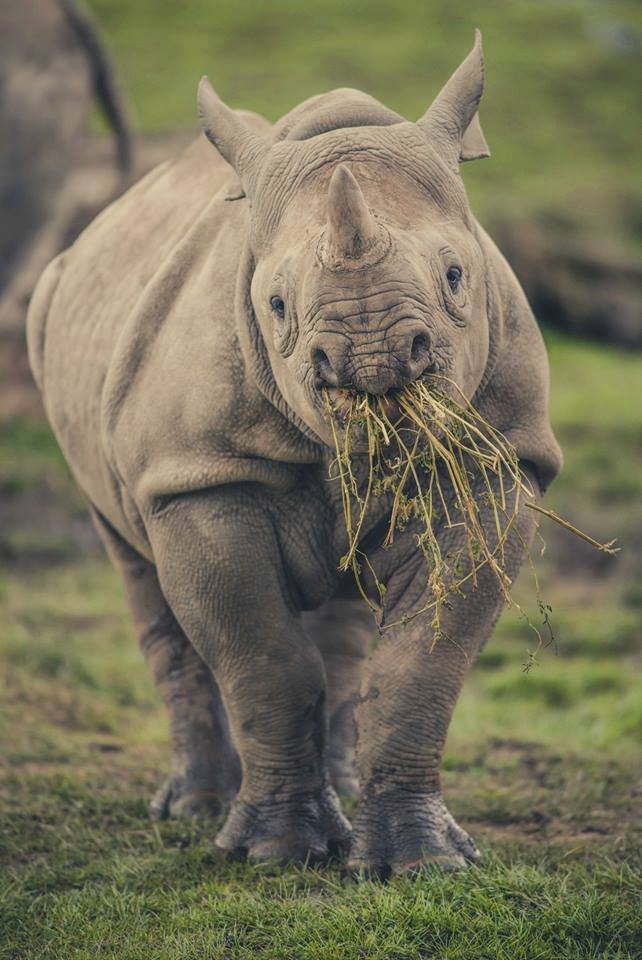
343, 630
408, 697
205, 771
219, 565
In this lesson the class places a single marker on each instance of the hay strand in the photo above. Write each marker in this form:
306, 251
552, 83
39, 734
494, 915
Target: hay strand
439, 461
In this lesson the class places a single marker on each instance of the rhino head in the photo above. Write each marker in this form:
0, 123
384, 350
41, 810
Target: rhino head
366, 268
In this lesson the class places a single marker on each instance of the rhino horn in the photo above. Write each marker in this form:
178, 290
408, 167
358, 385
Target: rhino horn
451, 122
351, 229
237, 143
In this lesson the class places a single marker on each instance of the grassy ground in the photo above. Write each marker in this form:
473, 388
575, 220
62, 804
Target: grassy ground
541, 767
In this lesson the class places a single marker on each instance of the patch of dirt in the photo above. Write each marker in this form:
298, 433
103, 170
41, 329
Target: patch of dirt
548, 802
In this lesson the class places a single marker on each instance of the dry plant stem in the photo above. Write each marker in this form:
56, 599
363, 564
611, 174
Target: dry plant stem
461, 487
551, 514
423, 505
346, 486
433, 553
609, 547
435, 434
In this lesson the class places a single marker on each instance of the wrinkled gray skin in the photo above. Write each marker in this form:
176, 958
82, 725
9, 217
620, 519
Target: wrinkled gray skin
190, 411
52, 68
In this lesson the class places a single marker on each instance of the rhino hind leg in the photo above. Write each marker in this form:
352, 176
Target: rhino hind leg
204, 772
343, 631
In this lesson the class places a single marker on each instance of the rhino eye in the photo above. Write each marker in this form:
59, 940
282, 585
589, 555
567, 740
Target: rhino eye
453, 276
278, 306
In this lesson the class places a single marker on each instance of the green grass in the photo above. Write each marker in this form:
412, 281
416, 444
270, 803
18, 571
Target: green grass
563, 82
166, 894
539, 767
29, 454
598, 423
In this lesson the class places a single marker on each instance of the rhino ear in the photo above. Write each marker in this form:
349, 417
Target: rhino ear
473, 143
451, 122
237, 143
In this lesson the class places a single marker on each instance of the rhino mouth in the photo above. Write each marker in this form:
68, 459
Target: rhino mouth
342, 400
349, 427
353, 415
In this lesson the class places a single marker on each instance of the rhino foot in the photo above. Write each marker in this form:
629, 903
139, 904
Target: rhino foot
307, 828
401, 832
176, 799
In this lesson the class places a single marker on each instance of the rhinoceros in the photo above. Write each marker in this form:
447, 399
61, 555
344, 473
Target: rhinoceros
183, 346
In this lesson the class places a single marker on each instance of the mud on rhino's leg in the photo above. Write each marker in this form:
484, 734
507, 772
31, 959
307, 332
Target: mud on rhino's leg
408, 696
218, 559
343, 631
204, 771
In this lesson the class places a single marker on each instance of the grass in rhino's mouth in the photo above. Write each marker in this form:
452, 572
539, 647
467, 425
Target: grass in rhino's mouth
434, 456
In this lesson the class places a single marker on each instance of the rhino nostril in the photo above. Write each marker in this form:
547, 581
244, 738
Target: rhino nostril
320, 358
323, 367
419, 348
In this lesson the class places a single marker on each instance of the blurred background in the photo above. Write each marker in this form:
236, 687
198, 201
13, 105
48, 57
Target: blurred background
99, 101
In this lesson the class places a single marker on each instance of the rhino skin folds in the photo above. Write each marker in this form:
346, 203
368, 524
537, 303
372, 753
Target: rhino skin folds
181, 346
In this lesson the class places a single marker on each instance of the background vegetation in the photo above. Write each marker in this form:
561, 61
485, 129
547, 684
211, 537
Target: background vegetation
541, 767
562, 97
